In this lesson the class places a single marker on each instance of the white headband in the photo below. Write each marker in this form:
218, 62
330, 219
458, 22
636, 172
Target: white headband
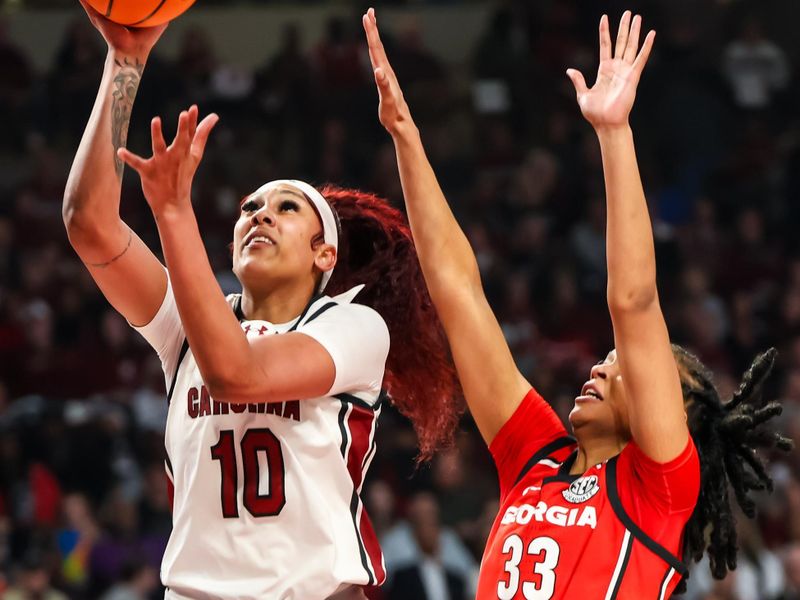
330, 229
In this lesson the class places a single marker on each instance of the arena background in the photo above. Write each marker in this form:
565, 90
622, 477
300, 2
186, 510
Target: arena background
83, 505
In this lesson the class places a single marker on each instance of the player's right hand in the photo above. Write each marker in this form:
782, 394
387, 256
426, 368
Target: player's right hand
167, 175
393, 111
610, 100
129, 41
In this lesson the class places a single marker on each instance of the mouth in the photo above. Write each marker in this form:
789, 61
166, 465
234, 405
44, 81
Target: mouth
257, 239
589, 393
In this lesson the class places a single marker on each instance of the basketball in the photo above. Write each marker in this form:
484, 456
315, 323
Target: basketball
140, 13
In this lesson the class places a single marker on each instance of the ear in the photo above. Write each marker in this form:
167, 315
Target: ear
325, 258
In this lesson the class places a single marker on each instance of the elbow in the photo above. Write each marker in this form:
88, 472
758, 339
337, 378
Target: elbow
69, 212
221, 387
632, 300
75, 220
224, 391
233, 389
231, 374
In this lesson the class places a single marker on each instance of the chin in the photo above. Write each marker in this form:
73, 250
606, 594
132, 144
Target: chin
583, 414
575, 418
253, 272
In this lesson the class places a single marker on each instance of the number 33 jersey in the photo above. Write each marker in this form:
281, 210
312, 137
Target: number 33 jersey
266, 497
613, 532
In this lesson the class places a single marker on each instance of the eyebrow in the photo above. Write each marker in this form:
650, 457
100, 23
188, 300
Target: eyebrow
294, 193
291, 192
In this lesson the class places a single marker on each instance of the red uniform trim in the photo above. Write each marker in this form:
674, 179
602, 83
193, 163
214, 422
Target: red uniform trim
359, 427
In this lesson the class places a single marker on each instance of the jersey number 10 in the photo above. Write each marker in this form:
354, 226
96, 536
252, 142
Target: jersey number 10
256, 503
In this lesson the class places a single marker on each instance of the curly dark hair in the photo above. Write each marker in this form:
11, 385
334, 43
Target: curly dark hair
376, 249
727, 436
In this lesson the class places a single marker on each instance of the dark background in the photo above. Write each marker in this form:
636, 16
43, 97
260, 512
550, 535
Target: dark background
83, 505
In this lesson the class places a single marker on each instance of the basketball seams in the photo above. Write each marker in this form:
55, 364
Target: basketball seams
141, 13
151, 15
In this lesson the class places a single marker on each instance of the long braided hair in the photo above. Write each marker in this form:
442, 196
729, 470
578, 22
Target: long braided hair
727, 436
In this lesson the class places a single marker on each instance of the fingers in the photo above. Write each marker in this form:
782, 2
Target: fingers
388, 88
201, 137
384, 87
381, 79
622, 34
578, 82
633, 40
157, 136
377, 53
605, 39
134, 161
182, 139
188, 136
193, 115
644, 53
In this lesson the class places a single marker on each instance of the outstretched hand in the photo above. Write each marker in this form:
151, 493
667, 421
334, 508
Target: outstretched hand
135, 41
167, 175
393, 111
609, 102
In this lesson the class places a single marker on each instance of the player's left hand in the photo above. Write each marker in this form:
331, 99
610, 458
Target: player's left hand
609, 102
393, 111
167, 175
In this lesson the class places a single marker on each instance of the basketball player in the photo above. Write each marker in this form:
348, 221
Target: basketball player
614, 511
274, 394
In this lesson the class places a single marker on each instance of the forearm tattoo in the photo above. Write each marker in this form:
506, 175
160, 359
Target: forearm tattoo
126, 84
103, 265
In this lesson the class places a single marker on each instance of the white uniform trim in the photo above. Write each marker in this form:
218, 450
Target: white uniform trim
665, 584
624, 553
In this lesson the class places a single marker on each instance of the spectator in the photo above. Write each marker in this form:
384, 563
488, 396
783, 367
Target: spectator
755, 67
426, 574
33, 581
138, 582
720, 146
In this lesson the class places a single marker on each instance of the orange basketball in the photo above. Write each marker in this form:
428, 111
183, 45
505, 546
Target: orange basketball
141, 13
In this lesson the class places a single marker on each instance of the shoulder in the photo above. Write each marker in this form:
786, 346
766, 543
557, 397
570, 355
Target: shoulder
670, 487
358, 312
357, 339
334, 311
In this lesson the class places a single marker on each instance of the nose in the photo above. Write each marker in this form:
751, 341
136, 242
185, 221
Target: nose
263, 215
598, 371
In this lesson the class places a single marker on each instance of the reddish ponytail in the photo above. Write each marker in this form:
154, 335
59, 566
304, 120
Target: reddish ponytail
376, 249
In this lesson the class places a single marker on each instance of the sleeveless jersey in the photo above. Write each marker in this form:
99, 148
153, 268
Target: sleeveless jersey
266, 497
611, 533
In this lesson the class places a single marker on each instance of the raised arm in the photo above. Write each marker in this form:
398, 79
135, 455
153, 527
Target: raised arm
493, 386
266, 369
127, 272
649, 371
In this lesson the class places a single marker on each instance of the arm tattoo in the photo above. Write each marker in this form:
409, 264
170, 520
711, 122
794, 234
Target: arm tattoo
126, 84
116, 258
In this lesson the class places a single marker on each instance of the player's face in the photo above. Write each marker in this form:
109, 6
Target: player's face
602, 403
272, 240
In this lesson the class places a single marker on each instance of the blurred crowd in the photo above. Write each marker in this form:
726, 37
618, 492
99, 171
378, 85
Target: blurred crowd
84, 511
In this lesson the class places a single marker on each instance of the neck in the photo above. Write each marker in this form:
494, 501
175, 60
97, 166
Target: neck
595, 451
280, 304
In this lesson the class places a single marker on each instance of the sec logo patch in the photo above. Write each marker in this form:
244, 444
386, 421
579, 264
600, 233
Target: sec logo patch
581, 489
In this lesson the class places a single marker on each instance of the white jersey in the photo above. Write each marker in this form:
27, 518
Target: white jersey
266, 496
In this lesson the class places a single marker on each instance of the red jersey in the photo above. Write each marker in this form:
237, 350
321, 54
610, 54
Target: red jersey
613, 532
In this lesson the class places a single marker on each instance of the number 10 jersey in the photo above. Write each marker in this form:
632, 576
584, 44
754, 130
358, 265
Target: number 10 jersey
612, 532
266, 496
